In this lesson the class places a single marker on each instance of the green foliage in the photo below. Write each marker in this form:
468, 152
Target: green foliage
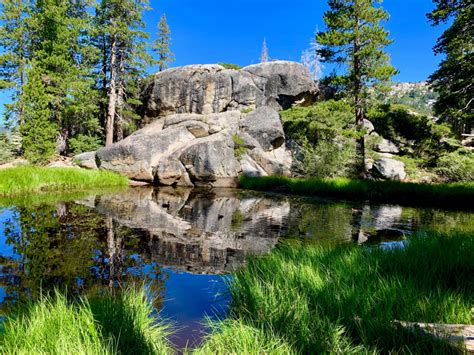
7, 148
418, 135
458, 195
39, 132
108, 324
345, 299
246, 110
456, 166
239, 147
453, 79
84, 143
29, 179
326, 136
162, 44
355, 38
235, 337
230, 66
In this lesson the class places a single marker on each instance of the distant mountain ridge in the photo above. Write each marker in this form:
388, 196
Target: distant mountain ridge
418, 95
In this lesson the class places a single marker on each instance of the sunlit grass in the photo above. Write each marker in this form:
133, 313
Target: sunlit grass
30, 179
347, 299
108, 324
457, 195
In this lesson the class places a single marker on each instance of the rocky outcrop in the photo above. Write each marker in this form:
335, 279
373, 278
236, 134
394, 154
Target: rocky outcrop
206, 89
86, 160
208, 125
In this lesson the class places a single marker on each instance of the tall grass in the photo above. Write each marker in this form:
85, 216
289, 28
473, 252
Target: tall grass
458, 195
347, 299
104, 325
30, 179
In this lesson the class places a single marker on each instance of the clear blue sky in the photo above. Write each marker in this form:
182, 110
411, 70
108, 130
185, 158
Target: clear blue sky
211, 31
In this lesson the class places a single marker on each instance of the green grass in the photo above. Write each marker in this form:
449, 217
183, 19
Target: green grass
29, 179
458, 195
101, 325
345, 299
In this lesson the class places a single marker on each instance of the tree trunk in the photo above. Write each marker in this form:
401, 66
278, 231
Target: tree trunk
109, 124
120, 98
359, 104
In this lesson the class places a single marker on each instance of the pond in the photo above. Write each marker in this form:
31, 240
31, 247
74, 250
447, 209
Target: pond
180, 242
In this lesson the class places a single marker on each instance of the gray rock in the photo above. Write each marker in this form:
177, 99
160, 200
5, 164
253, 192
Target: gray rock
206, 89
369, 127
86, 160
386, 146
251, 168
137, 155
170, 171
264, 125
211, 159
389, 169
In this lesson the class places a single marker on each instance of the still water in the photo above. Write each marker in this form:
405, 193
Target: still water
182, 243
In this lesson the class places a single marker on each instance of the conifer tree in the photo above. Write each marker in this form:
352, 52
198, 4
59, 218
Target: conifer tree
264, 55
121, 40
62, 64
14, 46
161, 46
355, 38
454, 79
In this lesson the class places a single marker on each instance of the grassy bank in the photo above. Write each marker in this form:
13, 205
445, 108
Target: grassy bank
344, 299
102, 325
29, 179
459, 195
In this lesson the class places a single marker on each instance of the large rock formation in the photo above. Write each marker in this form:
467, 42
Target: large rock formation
206, 89
209, 125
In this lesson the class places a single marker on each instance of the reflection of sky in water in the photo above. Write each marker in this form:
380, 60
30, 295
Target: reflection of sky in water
6, 250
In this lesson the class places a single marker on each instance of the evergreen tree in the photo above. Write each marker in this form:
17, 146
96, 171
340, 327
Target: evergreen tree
14, 45
39, 131
62, 65
454, 79
264, 55
311, 59
356, 38
161, 46
121, 40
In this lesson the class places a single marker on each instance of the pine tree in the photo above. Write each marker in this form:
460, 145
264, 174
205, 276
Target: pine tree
161, 46
356, 38
264, 55
14, 45
454, 79
39, 131
62, 63
120, 38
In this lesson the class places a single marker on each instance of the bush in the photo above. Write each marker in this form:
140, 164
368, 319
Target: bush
84, 143
230, 66
325, 135
6, 148
456, 166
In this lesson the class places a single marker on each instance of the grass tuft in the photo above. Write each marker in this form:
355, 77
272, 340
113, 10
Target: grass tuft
30, 179
458, 195
346, 299
108, 324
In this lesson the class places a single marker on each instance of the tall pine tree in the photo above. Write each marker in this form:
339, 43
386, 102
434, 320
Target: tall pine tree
62, 63
161, 46
454, 79
122, 42
355, 38
14, 44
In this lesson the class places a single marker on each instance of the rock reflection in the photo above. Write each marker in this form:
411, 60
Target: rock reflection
199, 231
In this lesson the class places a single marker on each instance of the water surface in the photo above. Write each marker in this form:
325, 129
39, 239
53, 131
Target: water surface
180, 242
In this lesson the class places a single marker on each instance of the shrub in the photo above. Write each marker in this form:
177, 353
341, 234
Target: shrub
230, 66
239, 147
84, 143
6, 149
456, 166
325, 135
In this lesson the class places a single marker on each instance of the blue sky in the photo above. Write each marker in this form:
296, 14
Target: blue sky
210, 31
